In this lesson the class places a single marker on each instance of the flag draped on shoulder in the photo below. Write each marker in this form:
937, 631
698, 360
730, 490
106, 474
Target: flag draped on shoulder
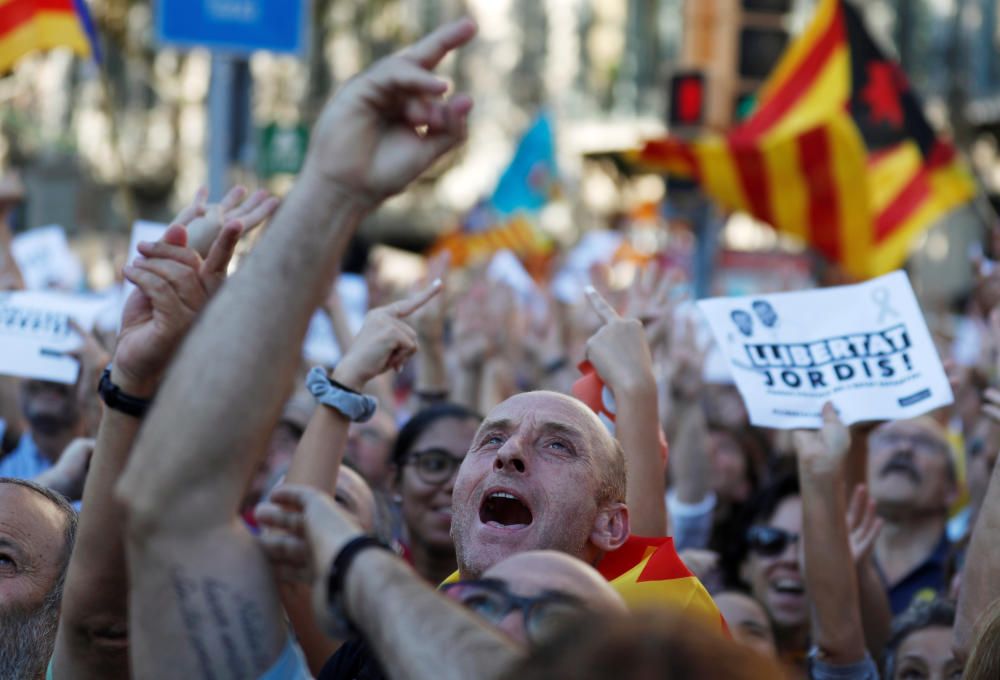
28, 25
647, 572
838, 152
507, 219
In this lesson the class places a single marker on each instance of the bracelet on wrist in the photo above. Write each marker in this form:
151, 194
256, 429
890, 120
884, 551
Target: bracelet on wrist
353, 405
343, 627
116, 399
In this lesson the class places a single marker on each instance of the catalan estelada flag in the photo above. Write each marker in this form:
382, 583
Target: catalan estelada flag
28, 25
506, 220
838, 152
647, 572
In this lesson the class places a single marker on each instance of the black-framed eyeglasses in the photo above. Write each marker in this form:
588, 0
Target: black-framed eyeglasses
770, 541
434, 466
544, 614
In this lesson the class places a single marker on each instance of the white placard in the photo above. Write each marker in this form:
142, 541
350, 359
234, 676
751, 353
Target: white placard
46, 260
34, 330
865, 347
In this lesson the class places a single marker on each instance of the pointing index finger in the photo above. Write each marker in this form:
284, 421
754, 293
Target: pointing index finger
600, 305
404, 308
433, 48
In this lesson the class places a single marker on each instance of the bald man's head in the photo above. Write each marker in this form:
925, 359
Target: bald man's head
538, 571
534, 594
542, 473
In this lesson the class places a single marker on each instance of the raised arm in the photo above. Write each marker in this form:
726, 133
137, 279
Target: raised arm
416, 633
429, 322
980, 585
837, 629
384, 342
173, 285
203, 600
620, 355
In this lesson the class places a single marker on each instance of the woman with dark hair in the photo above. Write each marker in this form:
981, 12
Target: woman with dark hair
922, 643
428, 451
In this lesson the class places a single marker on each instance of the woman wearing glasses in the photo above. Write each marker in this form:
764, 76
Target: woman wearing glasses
427, 454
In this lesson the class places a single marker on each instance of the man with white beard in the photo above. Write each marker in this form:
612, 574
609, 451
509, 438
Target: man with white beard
37, 530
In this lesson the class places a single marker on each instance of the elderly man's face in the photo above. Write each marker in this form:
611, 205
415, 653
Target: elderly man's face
909, 469
32, 540
530, 482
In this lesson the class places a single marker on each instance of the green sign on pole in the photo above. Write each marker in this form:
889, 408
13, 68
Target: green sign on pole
282, 149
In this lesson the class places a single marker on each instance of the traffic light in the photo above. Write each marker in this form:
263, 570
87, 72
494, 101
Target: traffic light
762, 37
760, 49
734, 44
687, 99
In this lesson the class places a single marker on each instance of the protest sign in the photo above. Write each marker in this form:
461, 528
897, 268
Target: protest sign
35, 331
865, 348
46, 260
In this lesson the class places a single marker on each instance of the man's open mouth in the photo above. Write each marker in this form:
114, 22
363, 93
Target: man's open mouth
901, 465
504, 509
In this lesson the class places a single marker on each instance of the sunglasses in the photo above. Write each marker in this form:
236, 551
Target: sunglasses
770, 541
434, 466
544, 614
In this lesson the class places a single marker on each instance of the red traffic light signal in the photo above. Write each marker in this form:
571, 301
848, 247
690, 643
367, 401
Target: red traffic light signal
687, 99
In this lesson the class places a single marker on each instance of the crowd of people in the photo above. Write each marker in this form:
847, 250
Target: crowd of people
204, 504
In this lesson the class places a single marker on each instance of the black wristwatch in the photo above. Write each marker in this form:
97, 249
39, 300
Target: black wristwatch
113, 396
342, 627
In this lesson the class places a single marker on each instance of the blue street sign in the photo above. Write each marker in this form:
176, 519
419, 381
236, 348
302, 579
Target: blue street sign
235, 27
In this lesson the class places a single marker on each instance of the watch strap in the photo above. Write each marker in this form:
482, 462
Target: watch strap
338, 575
114, 398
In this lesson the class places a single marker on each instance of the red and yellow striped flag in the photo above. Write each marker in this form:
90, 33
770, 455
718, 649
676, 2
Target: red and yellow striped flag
27, 25
838, 152
647, 572
516, 233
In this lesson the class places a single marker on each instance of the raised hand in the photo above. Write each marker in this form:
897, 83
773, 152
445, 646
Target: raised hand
304, 531
651, 300
863, 524
207, 219
823, 451
429, 320
390, 123
385, 340
174, 284
618, 351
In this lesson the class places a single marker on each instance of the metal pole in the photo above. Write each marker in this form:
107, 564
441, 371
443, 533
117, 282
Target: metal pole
220, 103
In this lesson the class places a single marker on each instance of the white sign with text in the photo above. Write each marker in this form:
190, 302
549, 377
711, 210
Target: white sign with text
865, 348
46, 260
35, 333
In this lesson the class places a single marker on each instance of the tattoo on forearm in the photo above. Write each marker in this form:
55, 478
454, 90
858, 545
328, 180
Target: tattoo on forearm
216, 617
